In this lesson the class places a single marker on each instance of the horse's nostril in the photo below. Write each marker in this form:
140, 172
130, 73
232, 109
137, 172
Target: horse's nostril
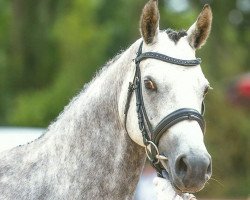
193, 170
209, 171
181, 166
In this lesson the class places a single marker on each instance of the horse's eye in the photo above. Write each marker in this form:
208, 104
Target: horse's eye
149, 84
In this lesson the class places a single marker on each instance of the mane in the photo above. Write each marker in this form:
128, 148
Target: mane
114, 59
76, 146
82, 91
175, 36
118, 63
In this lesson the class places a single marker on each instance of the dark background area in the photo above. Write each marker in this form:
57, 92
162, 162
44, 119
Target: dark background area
50, 48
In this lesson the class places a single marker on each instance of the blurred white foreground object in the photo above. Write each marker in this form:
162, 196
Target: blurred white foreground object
165, 191
11, 137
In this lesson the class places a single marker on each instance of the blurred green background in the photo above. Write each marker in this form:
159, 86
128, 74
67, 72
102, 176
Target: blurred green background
50, 48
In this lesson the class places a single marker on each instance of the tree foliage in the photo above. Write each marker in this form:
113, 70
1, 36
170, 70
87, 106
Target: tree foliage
50, 48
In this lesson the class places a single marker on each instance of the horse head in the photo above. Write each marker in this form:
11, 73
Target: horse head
171, 84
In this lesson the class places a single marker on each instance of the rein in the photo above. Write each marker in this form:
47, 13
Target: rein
151, 136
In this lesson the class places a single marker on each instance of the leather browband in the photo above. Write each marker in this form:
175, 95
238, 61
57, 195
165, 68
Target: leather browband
168, 59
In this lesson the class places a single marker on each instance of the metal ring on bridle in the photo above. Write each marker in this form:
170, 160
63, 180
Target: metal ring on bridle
156, 149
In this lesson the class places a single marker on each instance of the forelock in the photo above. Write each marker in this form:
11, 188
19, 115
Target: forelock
175, 36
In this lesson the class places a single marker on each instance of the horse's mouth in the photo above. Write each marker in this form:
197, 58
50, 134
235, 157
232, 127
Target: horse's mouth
175, 186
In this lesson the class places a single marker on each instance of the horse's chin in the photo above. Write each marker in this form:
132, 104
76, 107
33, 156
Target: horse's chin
186, 190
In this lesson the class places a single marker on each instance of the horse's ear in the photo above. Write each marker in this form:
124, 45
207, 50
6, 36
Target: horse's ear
200, 30
149, 24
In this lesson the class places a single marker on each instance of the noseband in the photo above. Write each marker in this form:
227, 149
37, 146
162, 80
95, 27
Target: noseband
151, 136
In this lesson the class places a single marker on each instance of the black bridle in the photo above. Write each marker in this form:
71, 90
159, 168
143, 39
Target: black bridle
152, 136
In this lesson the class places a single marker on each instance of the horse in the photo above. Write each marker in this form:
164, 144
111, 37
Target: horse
95, 149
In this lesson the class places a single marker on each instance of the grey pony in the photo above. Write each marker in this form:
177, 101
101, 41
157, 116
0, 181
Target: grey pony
86, 153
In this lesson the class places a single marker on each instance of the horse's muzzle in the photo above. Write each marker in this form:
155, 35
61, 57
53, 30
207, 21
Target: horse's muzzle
192, 171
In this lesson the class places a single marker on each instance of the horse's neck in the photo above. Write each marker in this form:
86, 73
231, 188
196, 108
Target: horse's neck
93, 141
